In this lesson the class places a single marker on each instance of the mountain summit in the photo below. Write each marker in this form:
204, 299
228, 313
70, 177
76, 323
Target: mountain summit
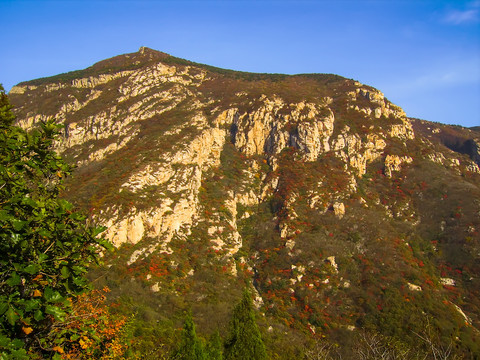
349, 220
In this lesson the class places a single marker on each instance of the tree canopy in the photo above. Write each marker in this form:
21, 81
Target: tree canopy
244, 341
190, 347
45, 245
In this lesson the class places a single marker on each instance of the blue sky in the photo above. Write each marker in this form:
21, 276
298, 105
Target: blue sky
424, 55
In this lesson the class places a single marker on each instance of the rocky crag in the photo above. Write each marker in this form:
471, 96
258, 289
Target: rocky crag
343, 213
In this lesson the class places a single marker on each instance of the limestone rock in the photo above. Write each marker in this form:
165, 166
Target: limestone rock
354, 152
461, 312
414, 287
339, 209
447, 281
436, 157
402, 131
331, 261
473, 167
394, 163
312, 137
266, 132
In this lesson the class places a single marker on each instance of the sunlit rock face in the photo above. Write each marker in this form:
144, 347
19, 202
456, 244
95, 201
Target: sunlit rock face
105, 114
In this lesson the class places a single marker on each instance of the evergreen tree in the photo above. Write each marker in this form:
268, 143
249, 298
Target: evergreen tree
244, 341
6, 115
190, 347
45, 245
215, 347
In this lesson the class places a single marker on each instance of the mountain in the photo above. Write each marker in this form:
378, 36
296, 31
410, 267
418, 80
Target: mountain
353, 224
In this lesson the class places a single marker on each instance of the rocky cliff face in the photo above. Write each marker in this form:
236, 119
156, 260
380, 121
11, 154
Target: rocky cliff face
104, 114
294, 183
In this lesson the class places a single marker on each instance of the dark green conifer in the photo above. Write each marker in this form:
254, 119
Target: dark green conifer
190, 347
214, 348
244, 341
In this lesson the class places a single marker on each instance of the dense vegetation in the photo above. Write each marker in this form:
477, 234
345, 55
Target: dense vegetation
46, 248
374, 297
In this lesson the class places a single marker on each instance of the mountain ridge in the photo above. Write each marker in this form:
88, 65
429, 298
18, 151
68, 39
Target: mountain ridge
109, 65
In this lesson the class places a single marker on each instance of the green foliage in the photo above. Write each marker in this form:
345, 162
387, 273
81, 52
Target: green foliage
190, 347
45, 245
244, 341
214, 347
6, 116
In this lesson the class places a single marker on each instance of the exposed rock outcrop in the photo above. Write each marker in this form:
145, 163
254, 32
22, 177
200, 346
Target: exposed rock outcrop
394, 163
139, 101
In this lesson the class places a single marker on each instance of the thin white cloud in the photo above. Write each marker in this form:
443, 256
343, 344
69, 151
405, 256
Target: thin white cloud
468, 15
457, 17
447, 74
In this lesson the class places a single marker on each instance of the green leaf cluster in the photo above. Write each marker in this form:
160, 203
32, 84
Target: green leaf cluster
214, 348
45, 245
190, 347
244, 341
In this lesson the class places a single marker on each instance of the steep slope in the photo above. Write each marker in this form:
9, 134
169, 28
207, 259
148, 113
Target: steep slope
345, 215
